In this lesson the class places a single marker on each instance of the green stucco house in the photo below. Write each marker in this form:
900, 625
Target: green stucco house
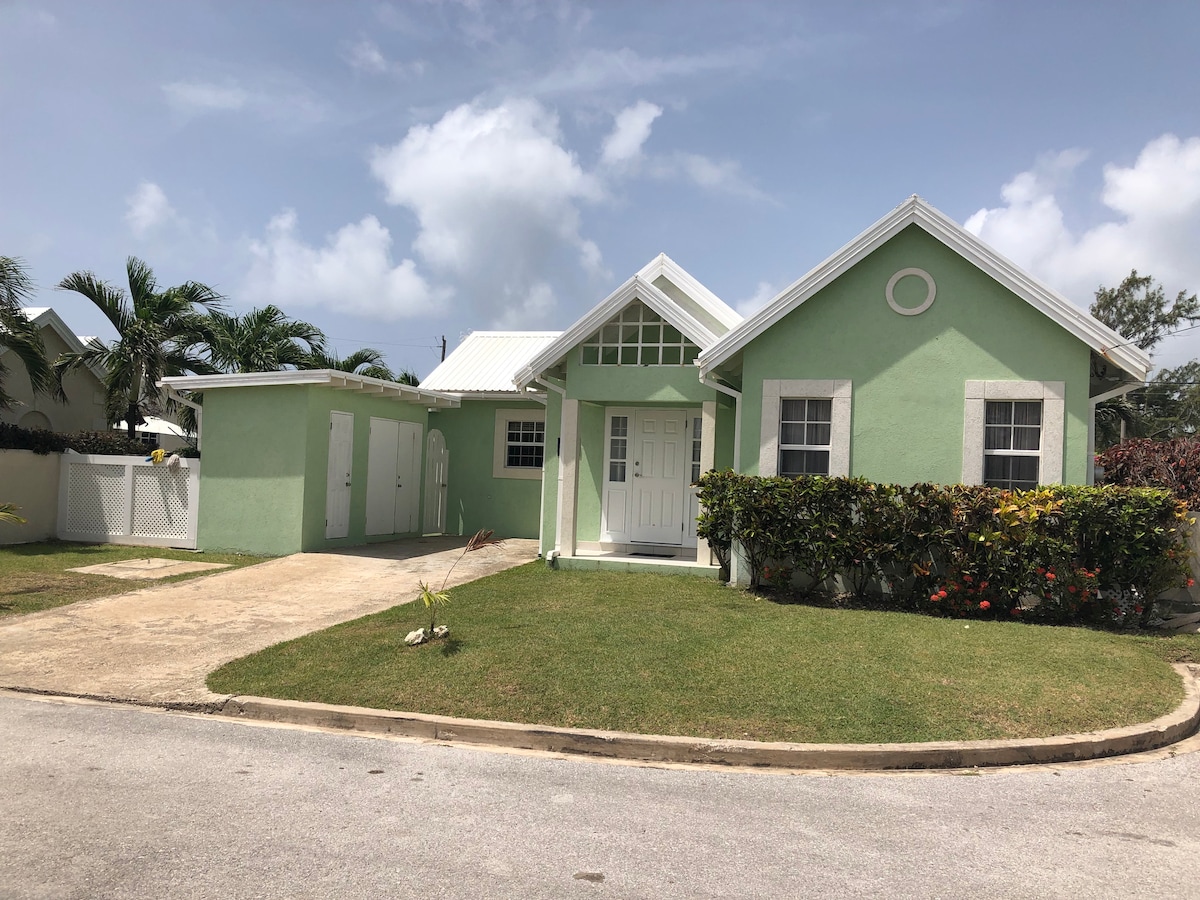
914, 353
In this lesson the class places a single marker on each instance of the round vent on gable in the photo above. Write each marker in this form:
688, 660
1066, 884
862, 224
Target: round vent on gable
931, 289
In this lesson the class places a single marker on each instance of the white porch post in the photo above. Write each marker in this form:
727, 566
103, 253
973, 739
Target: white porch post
708, 461
568, 462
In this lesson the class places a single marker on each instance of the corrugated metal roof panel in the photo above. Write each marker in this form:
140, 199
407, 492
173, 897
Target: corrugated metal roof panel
488, 360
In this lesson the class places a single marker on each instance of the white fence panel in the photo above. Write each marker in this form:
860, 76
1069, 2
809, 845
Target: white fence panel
127, 500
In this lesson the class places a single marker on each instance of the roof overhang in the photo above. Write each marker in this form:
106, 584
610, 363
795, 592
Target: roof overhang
44, 317
341, 381
915, 211
636, 288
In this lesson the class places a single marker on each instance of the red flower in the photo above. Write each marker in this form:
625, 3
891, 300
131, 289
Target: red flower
983, 604
1049, 576
982, 585
967, 579
942, 594
933, 597
1016, 610
1138, 610
1071, 588
1191, 581
1041, 571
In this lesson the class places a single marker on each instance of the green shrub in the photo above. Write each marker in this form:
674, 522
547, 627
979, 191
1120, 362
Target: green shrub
1059, 554
111, 443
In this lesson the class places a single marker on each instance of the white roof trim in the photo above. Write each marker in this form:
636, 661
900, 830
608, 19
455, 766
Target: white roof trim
916, 211
705, 299
636, 288
346, 381
41, 316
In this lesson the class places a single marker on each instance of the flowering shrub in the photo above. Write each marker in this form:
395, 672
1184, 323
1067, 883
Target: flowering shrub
1057, 555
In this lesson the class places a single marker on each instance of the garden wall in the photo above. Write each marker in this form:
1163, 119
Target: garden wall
30, 480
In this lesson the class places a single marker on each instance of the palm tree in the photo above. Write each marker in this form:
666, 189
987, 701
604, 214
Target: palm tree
262, 340
17, 332
367, 361
157, 332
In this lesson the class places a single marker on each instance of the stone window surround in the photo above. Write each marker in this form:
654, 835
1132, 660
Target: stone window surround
1053, 397
837, 390
500, 443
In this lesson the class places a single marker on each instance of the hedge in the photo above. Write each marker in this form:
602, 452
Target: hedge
111, 443
1173, 464
1059, 554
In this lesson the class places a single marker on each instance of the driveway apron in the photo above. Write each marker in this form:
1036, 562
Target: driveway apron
159, 643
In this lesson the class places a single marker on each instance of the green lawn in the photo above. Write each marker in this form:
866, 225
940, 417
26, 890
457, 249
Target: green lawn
35, 577
677, 655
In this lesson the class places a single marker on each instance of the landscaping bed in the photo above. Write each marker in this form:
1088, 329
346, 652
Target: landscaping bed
34, 577
660, 654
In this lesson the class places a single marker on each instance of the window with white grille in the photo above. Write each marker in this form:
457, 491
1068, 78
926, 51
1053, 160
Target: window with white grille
638, 336
1012, 444
805, 435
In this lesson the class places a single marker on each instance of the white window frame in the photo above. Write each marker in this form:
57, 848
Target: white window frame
500, 467
776, 390
1053, 397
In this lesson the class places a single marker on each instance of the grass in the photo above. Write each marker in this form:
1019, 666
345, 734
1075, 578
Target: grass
676, 655
34, 577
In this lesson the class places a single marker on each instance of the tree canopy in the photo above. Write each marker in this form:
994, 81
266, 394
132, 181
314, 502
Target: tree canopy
17, 332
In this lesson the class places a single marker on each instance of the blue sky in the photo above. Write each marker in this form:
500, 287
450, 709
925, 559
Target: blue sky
398, 171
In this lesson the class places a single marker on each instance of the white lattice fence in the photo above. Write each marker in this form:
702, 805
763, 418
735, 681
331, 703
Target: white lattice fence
126, 500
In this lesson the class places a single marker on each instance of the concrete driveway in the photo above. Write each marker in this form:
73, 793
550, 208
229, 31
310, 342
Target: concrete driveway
157, 644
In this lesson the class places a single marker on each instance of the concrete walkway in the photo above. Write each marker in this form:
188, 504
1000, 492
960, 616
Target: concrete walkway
158, 644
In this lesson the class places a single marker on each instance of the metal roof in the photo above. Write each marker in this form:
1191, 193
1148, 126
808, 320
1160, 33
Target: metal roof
487, 361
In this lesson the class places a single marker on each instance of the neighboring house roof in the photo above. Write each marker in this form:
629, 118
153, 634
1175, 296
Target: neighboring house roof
486, 361
45, 317
346, 381
916, 211
664, 286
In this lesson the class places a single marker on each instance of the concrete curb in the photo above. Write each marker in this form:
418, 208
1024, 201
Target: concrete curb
1165, 730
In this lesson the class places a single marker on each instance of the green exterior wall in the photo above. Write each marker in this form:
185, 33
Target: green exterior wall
265, 460
909, 372
509, 506
635, 385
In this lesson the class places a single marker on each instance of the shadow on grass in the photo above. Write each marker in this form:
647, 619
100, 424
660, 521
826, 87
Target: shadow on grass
451, 647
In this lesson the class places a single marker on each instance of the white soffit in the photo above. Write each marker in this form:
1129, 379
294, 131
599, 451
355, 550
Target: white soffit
342, 381
916, 211
487, 361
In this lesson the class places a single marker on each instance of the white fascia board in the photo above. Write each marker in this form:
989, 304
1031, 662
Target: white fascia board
635, 288
916, 211
690, 285
47, 316
332, 377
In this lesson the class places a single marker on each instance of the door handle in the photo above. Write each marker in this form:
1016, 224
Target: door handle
637, 474
347, 484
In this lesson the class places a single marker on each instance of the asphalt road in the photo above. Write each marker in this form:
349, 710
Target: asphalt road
103, 801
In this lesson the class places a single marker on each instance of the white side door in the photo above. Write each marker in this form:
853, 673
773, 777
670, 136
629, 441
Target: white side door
393, 477
338, 474
408, 479
382, 476
658, 450
437, 471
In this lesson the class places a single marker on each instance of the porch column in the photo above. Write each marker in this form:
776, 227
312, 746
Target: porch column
568, 462
708, 461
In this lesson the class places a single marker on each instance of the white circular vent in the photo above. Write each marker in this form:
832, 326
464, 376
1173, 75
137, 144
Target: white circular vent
913, 310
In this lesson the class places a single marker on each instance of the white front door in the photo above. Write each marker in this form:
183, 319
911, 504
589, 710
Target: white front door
393, 475
658, 447
337, 476
437, 468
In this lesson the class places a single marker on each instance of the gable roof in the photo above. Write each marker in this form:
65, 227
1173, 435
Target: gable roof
916, 211
664, 286
45, 317
487, 361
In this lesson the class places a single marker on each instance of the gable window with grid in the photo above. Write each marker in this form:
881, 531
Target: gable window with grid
638, 337
525, 445
805, 436
1012, 444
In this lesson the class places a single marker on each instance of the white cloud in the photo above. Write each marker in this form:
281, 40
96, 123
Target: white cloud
497, 197
724, 176
353, 272
1154, 227
763, 294
199, 96
601, 70
148, 209
630, 131
367, 57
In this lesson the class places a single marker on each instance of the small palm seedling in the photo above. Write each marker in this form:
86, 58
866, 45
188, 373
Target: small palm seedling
434, 600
